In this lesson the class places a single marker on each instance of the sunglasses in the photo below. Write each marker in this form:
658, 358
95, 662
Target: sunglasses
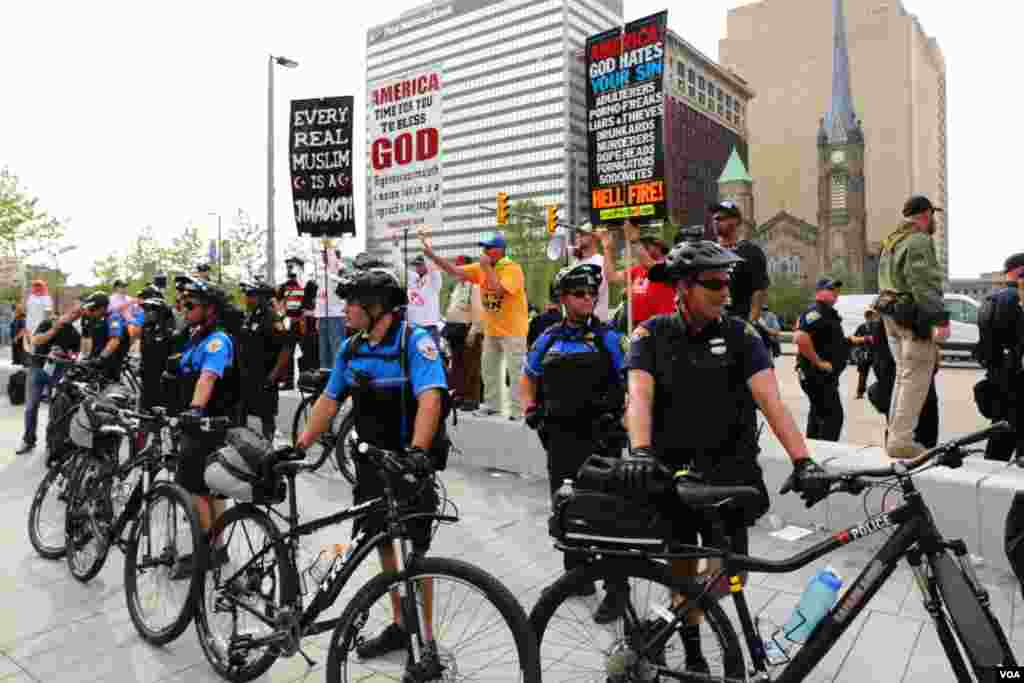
581, 293
714, 284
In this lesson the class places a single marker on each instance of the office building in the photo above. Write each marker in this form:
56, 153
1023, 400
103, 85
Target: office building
511, 121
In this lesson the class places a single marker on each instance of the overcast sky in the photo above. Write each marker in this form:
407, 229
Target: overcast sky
119, 115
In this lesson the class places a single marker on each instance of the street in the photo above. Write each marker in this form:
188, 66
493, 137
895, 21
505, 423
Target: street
57, 630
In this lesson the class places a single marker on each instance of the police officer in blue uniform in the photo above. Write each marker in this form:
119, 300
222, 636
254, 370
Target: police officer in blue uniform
573, 379
265, 354
207, 384
108, 335
394, 372
157, 329
823, 353
695, 381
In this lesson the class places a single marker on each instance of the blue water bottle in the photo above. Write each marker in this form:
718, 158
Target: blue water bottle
818, 598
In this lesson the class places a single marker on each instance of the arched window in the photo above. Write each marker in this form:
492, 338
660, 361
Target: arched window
838, 191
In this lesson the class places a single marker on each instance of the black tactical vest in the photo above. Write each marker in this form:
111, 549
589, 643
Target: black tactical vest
577, 385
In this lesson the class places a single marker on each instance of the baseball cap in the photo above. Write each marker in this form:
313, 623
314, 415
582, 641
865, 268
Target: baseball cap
917, 204
294, 259
203, 268
585, 228
120, 283
495, 241
1014, 262
727, 207
828, 283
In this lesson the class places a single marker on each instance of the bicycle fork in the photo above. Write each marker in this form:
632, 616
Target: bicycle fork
930, 598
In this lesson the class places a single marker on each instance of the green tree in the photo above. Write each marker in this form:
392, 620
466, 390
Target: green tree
108, 269
527, 237
248, 242
853, 282
145, 256
788, 296
186, 250
26, 229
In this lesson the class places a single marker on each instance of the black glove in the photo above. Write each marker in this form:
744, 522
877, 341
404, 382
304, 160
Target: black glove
808, 479
418, 461
192, 416
94, 363
641, 471
533, 417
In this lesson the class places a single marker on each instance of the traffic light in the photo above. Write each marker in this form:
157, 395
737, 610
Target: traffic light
552, 218
503, 208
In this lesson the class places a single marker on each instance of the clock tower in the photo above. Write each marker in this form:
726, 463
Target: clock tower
842, 233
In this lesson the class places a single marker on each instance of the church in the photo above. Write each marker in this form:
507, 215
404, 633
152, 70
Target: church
836, 241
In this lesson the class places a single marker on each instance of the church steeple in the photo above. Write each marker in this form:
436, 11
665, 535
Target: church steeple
841, 124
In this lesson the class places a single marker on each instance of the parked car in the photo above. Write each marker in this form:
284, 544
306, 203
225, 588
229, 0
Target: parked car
963, 312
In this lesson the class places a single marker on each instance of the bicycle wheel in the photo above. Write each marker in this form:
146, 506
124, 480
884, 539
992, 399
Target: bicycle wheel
88, 518
317, 453
480, 632
244, 596
166, 529
574, 648
342, 451
47, 515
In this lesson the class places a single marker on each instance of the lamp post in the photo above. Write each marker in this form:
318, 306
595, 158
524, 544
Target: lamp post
288, 64
220, 255
56, 272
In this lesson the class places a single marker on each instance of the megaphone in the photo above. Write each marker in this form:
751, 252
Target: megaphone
558, 243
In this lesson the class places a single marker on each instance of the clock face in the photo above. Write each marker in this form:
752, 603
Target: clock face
838, 157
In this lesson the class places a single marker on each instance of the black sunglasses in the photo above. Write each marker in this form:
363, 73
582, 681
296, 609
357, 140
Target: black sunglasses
580, 293
714, 284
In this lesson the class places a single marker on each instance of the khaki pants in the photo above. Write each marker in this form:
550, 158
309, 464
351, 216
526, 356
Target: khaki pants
915, 364
512, 351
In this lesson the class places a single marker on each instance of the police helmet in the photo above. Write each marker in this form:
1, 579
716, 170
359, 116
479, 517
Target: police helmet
374, 284
204, 292
96, 300
260, 290
364, 261
150, 292
179, 282
160, 281
581, 275
154, 304
690, 258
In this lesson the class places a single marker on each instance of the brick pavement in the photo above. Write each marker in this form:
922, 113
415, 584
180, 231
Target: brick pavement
54, 629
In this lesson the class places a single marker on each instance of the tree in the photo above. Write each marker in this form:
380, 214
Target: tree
527, 239
108, 269
788, 296
186, 250
26, 230
145, 256
248, 246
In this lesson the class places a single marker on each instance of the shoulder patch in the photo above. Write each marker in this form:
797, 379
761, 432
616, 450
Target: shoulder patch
214, 345
812, 316
750, 330
624, 343
639, 333
427, 348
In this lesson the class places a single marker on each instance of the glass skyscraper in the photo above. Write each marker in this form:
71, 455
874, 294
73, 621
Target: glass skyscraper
514, 104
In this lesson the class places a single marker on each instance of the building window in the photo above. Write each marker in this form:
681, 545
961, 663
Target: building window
838, 191
700, 83
728, 101
690, 75
700, 98
681, 69
691, 90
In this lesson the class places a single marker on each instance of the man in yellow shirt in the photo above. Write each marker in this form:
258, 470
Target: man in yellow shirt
506, 320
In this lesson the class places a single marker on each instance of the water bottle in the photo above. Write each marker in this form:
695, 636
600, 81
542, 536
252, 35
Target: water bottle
563, 494
818, 598
319, 565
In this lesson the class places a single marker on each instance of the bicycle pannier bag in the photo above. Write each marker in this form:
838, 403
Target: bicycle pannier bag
597, 518
241, 469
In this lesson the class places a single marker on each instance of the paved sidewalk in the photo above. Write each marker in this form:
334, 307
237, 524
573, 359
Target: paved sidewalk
53, 629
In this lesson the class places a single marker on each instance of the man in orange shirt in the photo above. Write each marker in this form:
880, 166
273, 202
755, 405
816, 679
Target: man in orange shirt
506, 320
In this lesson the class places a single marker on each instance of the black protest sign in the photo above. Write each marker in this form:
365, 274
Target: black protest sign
320, 158
625, 113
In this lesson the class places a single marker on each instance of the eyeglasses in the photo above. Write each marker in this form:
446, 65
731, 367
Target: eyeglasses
714, 284
581, 293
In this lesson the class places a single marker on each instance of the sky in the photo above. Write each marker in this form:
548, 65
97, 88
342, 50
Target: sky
122, 115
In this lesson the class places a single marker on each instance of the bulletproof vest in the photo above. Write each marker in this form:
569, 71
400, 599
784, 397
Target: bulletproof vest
829, 340
381, 412
100, 337
576, 384
704, 414
259, 348
226, 390
156, 348
998, 322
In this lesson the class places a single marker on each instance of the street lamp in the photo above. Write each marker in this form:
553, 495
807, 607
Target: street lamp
56, 269
220, 247
288, 64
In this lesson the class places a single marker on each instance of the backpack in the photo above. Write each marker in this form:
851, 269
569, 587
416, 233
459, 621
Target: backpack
16, 388
985, 351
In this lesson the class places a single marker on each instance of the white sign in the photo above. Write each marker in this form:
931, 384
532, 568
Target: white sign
404, 146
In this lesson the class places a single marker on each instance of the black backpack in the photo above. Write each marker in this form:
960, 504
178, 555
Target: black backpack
16, 388
985, 351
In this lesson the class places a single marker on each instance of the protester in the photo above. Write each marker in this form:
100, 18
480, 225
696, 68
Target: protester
424, 288
585, 251
18, 336
330, 310
647, 298
748, 288
910, 301
463, 329
506, 322
36, 305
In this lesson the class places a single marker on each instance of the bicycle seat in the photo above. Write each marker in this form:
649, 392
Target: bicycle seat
314, 380
698, 495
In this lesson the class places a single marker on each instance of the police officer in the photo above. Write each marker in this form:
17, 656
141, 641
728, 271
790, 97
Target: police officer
695, 378
823, 352
157, 331
104, 335
1001, 322
395, 375
207, 383
572, 380
265, 354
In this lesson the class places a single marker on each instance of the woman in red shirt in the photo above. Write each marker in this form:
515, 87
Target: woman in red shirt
647, 298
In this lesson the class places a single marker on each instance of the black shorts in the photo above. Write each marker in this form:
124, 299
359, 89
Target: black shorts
370, 484
196, 448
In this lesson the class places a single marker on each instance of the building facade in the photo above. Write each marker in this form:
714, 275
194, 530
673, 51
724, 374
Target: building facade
785, 50
514, 103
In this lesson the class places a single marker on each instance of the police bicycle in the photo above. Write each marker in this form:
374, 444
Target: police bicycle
105, 495
254, 607
334, 441
645, 644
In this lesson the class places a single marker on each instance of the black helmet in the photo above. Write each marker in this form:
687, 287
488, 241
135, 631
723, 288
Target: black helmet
260, 290
150, 292
160, 280
690, 258
375, 283
364, 261
580, 275
204, 292
155, 304
96, 300
180, 281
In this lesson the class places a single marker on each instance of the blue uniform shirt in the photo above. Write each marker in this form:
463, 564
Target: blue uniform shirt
571, 340
422, 359
115, 325
213, 353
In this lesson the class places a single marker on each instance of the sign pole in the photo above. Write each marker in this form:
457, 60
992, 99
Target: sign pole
629, 283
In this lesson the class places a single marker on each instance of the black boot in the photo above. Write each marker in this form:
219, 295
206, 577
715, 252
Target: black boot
691, 645
391, 639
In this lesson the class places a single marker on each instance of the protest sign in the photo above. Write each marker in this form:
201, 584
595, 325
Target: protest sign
320, 157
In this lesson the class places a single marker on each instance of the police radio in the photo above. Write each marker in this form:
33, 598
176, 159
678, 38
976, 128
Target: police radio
694, 233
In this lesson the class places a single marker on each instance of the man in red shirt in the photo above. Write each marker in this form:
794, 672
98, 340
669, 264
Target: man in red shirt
647, 298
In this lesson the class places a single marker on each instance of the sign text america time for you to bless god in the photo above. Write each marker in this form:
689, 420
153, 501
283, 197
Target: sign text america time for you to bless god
405, 148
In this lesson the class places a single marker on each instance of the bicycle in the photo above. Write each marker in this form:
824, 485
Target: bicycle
643, 647
334, 440
253, 608
106, 495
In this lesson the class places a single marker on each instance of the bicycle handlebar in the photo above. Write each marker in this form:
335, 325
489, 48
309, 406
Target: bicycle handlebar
391, 461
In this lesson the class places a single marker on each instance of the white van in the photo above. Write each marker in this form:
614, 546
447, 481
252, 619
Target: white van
963, 315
